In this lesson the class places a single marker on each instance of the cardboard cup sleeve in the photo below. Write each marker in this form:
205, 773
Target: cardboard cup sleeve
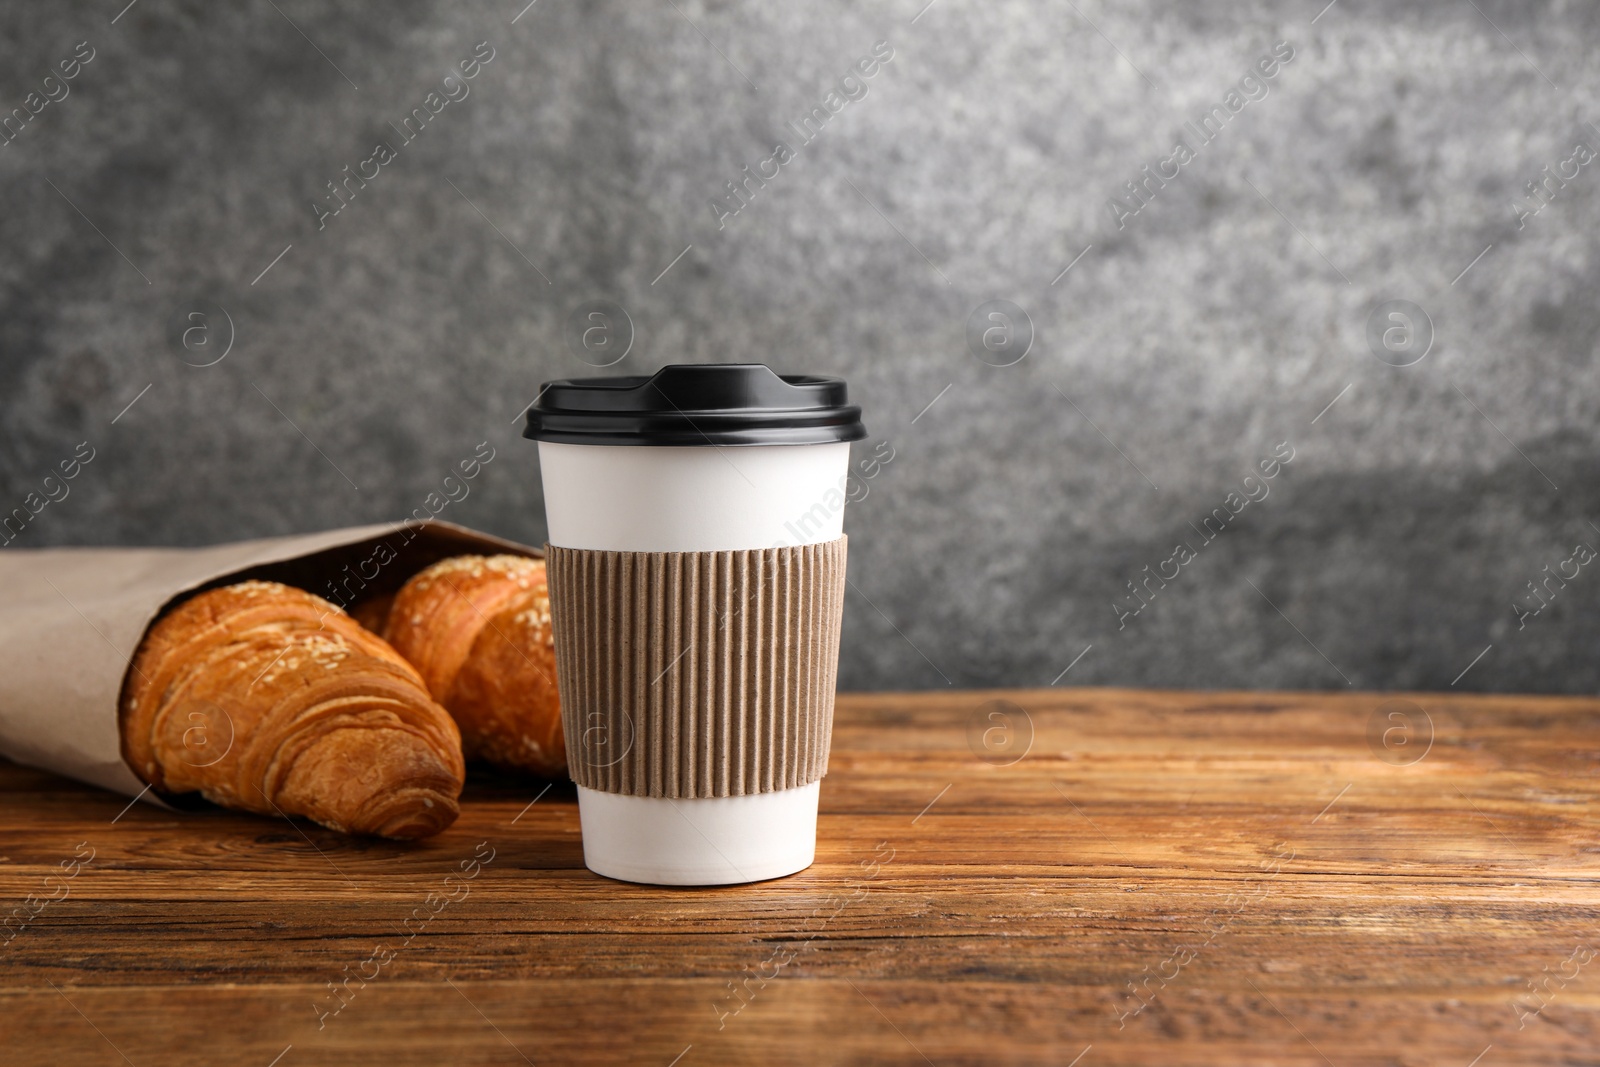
697, 674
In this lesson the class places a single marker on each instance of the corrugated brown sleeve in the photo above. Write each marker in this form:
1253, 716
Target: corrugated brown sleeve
697, 674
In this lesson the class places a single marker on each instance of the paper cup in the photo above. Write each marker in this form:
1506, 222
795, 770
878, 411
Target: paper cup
696, 578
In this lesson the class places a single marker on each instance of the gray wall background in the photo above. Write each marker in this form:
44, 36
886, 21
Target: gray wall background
1177, 351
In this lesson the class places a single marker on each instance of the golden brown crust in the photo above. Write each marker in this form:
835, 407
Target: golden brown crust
477, 628
270, 699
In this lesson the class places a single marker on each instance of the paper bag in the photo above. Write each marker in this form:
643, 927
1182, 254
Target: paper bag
72, 618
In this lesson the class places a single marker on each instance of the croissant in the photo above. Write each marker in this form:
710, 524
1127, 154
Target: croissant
270, 699
478, 630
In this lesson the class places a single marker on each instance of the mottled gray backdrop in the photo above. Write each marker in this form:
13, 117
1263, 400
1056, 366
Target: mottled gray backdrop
1388, 159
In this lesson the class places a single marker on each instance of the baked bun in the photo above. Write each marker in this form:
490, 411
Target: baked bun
477, 628
269, 699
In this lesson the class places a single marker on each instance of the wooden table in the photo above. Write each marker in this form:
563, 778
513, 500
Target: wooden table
1093, 877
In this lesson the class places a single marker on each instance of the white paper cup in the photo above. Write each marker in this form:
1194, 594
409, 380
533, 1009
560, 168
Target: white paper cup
624, 498
712, 470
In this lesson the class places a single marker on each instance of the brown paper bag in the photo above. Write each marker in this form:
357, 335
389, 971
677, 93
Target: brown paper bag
72, 618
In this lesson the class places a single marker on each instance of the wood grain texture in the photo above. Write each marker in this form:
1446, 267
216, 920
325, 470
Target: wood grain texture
1174, 878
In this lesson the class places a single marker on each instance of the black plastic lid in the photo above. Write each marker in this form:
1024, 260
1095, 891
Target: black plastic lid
697, 404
